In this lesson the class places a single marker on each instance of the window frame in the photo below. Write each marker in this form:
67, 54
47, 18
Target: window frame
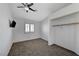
29, 28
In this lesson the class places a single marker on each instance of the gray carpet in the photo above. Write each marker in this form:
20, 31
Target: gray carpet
38, 47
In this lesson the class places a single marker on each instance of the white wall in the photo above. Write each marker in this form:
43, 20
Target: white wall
20, 35
5, 30
44, 29
67, 36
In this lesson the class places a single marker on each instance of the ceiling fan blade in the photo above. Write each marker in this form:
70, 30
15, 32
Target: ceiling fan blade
23, 4
32, 9
30, 4
20, 6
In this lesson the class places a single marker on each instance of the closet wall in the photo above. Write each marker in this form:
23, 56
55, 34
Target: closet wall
66, 31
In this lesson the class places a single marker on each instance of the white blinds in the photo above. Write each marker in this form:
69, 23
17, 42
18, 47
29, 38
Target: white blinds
29, 27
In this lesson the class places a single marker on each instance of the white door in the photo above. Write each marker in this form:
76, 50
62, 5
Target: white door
64, 36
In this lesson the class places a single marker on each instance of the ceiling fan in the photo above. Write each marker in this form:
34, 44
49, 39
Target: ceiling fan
27, 6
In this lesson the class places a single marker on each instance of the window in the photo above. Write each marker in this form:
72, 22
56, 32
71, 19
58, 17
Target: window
29, 27
32, 27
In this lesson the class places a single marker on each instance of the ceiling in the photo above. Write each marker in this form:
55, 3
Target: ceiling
43, 10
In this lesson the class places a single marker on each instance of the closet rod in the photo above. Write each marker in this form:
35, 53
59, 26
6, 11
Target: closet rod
65, 24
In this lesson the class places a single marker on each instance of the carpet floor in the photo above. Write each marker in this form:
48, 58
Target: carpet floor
38, 47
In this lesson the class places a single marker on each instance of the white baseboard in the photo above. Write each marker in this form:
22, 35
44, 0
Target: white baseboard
25, 40
50, 44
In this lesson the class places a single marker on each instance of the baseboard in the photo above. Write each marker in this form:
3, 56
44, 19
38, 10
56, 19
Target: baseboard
25, 40
50, 44
44, 39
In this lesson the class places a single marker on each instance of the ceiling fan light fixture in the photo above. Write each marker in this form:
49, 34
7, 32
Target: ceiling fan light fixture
26, 8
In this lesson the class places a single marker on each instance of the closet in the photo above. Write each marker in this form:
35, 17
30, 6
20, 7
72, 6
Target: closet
66, 35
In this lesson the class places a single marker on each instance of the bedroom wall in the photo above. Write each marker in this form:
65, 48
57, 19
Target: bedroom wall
44, 29
5, 30
20, 35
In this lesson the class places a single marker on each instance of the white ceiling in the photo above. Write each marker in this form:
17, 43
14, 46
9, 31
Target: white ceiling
43, 10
